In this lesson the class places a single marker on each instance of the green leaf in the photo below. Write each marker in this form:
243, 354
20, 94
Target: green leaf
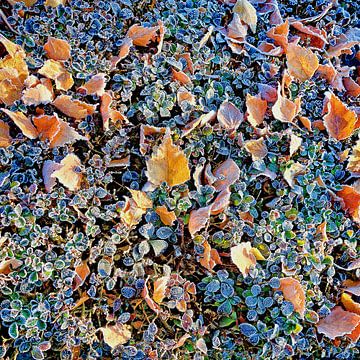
13, 331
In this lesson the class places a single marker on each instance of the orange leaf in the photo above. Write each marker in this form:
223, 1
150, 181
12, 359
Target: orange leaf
147, 130
317, 37
5, 138
73, 108
116, 335
68, 174
7, 266
140, 35
23, 122
184, 95
352, 88
41, 93
95, 86
221, 202
54, 70
352, 287
338, 323
82, 272
280, 34
200, 121
181, 77
141, 199
294, 293
256, 109
107, 113
168, 164
54, 3
284, 109
198, 219
229, 116
242, 257
210, 257
166, 216
338, 119
57, 49
160, 286
350, 201
302, 63
256, 148
227, 174
350, 304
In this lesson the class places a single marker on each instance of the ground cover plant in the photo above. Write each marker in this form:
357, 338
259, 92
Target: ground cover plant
178, 179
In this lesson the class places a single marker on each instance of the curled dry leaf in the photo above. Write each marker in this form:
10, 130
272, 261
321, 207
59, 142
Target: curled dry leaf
227, 174
168, 164
339, 120
123, 52
49, 167
69, 174
108, 114
344, 43
280, 34
145, 131
257, 149
57, 49
141, 35
291, 172
256, 109
198, 219
243, 257
267, 92
151, 303
5, 138
285, 110
116, 335
352, 88
354, 159
189, 63
350, 201
82, 271
307, 32
41, 93
236, 29
54, 70
184, 95
200, 121
181, 77
294, 293
338, 323
221, 202
95, 86
295, 143
210, 257
349, 304
229, 116
160, 286
167, 217
247, 13
302, 63
73, 108
23, 123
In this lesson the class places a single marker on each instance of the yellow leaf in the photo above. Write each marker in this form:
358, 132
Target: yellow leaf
5, 138
257, 254
256, 148
243, 257
247, 13
160, 286
116, 335
168, 164
23, 122
166, 216
69, 174
54, 3
285, 109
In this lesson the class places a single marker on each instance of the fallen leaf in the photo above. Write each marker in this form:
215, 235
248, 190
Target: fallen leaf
162, 30
236, 29
141, 199
141, 35
198, 219
285, 110
69, 174
291, 172
123, 52
189, 62
181, 77
145, 131
247, 13
294, 293
221, 202
352, 88
201, 345
344, 43
7, 266
256, 109
184, 95
151, 303
310, 34
350, 201
82, 271
54, 3
339, 120
41, 93
168, 164
280, 34
267, 92
54, 70
354, 159
301, 62
49, 167
306, 122
257, 149
57, 49
200, 121
28, 3
229, 116
95, 86
349, 304
295, 143
108, 114
22, 122
167, 217
338, 323
73, 108
352, 287
227, 174
242, 257
160, 286
5, 138
116, 335
210, 257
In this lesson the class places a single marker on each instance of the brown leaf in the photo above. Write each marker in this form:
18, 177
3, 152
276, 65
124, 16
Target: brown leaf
23, 122
116, 335
285, 110
221, 202
95, 86
294, 293
291, 172
280, 34
352, 88
198, 219
140, 35
82, 272
267, 92
338, 323
145, 131
256, 148
68, 174
200, 121
246, 12
7, 266
242, 257
301, 62
73, 108
168, 164
5, 138
354, 159
227, 174
339, 120
307, 32
344, 43
256, 110
57, 49
229, 116
181, 77
54, 3
54, 70
350, 201
210, 257
166, 216
352, 287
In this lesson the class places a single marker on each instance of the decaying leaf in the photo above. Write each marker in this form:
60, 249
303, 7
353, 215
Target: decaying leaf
54, 3
344, 43
307, 32
267, 92
350, 201
82, 271
284, 109
280, 34
294, 293
339, 120
7, 266
247, 13
184, 95
5, 138
200, 121
198, 219
181, 77
123, 51
257, 149
168, 164
160, 286
23, 123
73, 108
302, 63
338, 323
57, 49
210, 257
69, 174
229, 116
95, 86
54, 70
116, 335
107, 113
354, 159
145, 131
227, 174
256, 109
242, 257
141, 35
41, 93
221, 202
291, 172
352, 287
236, 29
166, 216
